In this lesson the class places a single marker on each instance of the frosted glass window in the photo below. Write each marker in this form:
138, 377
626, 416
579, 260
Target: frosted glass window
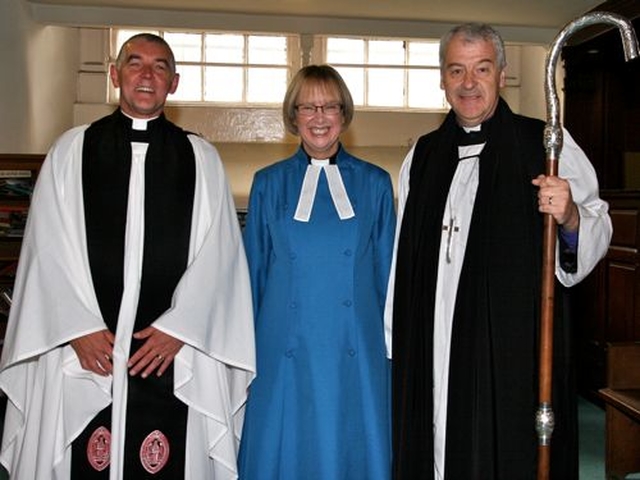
224, 48
224, 84
424, 90
266, 85
187, 47
267, 50
386, 87
388, 73
190, 84
424, 53
386, 52
345, 50
223, 67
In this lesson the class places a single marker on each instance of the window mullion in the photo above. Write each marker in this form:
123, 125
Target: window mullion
245, 68
405, 93
203, 69
365, 73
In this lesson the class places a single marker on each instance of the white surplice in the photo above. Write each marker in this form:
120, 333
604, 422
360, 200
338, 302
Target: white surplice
51, 398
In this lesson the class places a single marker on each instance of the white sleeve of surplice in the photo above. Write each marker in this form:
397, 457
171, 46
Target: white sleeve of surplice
595, 229
403, 192
50, 397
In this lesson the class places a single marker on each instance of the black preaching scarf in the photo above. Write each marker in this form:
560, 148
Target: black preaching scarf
168, 206
494, 346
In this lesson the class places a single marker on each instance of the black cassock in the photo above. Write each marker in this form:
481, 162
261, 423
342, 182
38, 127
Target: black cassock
493, 386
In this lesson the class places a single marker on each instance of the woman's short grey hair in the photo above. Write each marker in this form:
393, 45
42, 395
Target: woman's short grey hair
324, 75
473, 32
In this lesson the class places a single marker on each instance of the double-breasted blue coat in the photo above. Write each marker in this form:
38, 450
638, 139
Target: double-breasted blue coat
320, 405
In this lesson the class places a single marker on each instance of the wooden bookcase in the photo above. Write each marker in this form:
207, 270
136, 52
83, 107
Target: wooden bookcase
18, 173
602, 112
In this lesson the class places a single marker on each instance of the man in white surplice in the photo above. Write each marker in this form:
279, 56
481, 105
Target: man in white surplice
62, 364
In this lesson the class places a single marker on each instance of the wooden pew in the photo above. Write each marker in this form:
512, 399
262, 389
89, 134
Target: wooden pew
622, 404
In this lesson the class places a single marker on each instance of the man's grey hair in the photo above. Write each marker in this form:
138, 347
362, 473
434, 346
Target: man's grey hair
147, 37
473, 32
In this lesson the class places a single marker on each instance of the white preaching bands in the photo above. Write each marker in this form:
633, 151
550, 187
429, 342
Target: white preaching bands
466, 174
336, 188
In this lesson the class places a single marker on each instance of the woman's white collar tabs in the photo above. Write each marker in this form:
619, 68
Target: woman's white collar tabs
336, 188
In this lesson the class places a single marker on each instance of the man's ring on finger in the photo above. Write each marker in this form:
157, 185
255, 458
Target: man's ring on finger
160, 357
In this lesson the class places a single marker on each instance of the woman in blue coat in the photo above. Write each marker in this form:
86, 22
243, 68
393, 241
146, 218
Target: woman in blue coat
319, 238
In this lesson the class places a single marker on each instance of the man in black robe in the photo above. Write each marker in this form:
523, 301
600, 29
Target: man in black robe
465, 296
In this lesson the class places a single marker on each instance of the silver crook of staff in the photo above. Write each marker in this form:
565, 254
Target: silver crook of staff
553, 145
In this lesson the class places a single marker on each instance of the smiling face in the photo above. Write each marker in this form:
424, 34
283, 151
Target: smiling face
319, 132
145, 78
471, 79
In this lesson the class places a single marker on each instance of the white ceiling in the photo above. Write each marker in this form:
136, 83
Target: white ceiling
518, 20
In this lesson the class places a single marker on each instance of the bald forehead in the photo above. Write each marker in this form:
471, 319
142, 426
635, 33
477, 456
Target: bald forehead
139, 48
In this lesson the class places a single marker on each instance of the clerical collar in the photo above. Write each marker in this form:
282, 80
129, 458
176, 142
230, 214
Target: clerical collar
470, 136
331, 159
138, 130
470, 142
337, 190
139, 123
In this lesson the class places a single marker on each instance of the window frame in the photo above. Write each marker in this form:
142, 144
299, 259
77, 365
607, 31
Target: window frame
291, 65
406, 67
296, 45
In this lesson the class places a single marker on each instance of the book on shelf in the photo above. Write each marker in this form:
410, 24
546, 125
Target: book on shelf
4, 173
13, 220
8, 270
16, 187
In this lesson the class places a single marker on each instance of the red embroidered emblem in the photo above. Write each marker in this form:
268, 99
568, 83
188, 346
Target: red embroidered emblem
99, 449
154, 452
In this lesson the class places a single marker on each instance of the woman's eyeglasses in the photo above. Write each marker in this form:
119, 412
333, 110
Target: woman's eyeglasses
308, 110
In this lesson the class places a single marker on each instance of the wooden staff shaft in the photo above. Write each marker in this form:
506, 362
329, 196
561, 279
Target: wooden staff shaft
546, 334
547, 300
